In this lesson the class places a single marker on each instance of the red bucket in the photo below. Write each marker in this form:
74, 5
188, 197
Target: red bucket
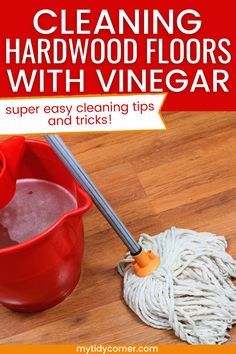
40, 273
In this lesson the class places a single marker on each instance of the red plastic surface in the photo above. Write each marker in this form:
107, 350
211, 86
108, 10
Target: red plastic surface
41, 272
11, 152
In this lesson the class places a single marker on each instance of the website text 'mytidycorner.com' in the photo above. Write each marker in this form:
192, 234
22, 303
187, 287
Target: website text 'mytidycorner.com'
104, 349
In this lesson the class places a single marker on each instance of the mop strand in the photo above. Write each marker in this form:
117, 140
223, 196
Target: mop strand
191, 291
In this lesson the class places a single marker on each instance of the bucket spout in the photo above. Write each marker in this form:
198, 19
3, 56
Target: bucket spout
11, 153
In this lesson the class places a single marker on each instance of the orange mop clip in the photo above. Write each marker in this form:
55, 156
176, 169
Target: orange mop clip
145, 263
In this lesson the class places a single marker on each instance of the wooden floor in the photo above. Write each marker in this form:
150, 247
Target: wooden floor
185, 176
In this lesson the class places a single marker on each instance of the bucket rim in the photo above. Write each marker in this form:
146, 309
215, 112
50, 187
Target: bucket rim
80, 210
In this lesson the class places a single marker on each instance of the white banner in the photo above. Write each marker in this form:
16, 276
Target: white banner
81, 114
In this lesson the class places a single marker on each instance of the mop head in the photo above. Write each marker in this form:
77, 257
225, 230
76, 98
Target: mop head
191, 291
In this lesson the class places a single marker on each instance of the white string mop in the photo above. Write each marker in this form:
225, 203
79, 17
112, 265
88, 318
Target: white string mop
191, 291
187, 288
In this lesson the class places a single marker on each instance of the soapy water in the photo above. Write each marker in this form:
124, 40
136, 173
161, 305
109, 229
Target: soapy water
36, 205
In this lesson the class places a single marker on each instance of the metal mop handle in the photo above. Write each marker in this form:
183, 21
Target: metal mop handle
81, 176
